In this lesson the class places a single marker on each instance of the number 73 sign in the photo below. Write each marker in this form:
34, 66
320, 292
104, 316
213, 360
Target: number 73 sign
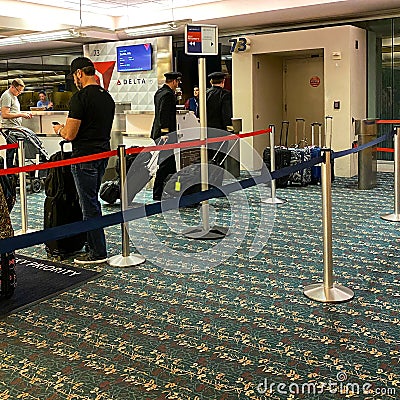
239, 44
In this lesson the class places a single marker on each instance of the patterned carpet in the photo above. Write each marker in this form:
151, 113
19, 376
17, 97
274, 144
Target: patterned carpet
239, 329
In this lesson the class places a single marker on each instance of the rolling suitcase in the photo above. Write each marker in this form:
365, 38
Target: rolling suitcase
282, 156
61, 206
299, 155
140, 168
188, 180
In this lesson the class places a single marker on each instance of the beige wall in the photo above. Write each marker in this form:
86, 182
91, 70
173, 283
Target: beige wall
344, 79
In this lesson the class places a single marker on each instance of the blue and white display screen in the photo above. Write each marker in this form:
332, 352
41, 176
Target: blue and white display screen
132, 58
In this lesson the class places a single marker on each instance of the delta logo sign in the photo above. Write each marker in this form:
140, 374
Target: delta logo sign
104, 71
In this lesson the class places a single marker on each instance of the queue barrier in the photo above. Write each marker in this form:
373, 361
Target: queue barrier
328, 291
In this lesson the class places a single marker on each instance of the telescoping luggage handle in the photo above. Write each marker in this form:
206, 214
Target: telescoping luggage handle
313, 125
284, 128
300, 121
227, 153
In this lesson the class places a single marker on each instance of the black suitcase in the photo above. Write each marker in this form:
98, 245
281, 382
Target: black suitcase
282, 156
188, 180
138, 174
300, 155
61, 206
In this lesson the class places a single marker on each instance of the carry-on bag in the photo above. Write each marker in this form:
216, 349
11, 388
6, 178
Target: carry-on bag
299, 155
110, 191
282, 155
140, 168
61, 206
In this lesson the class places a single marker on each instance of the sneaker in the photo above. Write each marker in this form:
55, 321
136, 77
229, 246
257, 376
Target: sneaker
89, 259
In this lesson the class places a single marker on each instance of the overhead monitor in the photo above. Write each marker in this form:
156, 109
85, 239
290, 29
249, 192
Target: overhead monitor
136, 57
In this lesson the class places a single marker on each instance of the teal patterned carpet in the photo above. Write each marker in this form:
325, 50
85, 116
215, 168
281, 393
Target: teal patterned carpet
238, 329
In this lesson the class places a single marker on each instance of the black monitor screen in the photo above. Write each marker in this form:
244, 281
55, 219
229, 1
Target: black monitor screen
136, 57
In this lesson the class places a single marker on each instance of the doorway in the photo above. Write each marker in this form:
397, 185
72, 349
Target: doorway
303, 95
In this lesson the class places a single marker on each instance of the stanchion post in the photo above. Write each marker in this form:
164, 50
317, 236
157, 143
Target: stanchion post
319, 134
395, 217
126, 259
22, 190
273, 199
327, 292
204, 232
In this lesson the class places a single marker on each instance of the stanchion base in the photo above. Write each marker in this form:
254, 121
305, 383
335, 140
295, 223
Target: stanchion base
214, 233
126, 261
335, 294
391, 217
275, 200
22, 232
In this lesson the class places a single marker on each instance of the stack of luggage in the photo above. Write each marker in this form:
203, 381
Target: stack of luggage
298, 153
282, 155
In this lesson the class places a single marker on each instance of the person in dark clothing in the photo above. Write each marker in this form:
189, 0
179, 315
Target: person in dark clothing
219, 113
88, 127
165, 123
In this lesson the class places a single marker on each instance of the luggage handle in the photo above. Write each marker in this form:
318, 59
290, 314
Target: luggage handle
62, 143
296, 137
227, 153
154, 154
285, 125
313, 125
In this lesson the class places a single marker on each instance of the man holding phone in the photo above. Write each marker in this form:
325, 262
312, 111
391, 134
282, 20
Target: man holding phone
88, 128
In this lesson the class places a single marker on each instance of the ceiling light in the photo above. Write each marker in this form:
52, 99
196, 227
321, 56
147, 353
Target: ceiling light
41, 37
156, 28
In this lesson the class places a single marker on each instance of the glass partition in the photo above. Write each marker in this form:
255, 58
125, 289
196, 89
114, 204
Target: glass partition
383, 61
39, 73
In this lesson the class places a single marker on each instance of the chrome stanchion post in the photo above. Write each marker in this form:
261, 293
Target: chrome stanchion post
204, 231
320, 134
273, 199
22, 190
126, 259
395, 217
327, 292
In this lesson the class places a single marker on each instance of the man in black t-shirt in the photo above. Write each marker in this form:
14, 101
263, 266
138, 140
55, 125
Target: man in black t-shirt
88, 127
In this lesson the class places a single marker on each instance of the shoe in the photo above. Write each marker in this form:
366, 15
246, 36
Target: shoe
89, 259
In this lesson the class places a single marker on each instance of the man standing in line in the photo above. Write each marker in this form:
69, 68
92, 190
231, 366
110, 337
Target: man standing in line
165, 123
88, 127
219, 112
11, 115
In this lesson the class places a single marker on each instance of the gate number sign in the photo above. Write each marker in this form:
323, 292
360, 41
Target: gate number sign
201, 40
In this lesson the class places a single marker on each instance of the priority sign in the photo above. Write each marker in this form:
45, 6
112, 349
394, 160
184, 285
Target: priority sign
201, 40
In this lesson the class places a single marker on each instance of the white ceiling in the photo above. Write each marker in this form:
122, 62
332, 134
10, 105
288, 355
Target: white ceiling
105, 19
